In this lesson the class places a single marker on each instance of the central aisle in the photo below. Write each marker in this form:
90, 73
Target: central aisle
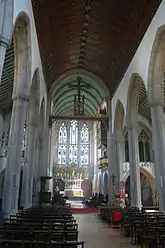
96, 234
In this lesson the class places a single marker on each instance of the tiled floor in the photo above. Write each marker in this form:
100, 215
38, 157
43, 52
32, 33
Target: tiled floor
97, 234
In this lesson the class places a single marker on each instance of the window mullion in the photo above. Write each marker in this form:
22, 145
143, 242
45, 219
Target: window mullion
67, 144
79, 144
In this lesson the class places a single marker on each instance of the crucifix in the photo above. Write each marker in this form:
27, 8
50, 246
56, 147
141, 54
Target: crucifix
78, 98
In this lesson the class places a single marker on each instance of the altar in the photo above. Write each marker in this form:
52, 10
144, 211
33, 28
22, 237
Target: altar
72, 177
71, 193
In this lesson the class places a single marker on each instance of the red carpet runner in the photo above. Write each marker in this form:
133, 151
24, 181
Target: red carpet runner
84, 210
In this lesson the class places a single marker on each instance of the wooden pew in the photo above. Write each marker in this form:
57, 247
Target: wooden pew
47, 226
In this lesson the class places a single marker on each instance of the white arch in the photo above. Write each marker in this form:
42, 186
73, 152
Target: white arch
119, 119
133, 100
22, 56
79, 72
157, 67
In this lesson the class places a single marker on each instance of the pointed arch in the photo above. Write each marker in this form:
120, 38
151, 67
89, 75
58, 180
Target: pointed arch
34, 99
156, 72
136, 101
119, 120
22, 58
157, 58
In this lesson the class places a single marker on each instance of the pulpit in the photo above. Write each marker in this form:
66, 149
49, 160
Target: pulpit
45, 191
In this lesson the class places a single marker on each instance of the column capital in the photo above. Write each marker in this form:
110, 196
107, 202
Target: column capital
5, 42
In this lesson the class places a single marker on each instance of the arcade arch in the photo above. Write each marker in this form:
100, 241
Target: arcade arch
157, 102
20, 97
138, 118
147, 188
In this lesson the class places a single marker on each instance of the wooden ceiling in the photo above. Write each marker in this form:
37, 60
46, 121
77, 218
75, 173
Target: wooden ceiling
100, 36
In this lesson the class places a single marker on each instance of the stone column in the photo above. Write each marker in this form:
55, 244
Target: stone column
110, 154
95, 155
28, 171
38, 172
91, 154
47, 141
12, 174
158, 137
117, 165
135, 185
6, 24
49, 165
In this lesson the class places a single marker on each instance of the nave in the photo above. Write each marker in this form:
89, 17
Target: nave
98, 234
47, 226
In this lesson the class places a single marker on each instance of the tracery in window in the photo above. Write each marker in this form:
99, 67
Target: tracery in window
73, 155
144, 147
62, 144
73, 146
84, 147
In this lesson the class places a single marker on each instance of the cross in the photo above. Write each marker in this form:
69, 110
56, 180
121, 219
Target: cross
79, 86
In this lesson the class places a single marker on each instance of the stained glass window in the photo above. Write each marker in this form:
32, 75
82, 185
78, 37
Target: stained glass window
73, 133
62, 144
84, 146
73, 154
62, 134
73, 146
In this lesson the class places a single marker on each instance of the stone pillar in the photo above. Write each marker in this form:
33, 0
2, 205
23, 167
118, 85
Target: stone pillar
38, 158
110, 172
12, 174
49, 165
6, 24
110, 154
91, 154
95, 155
158, 137
117, 165
28, 171
135, 185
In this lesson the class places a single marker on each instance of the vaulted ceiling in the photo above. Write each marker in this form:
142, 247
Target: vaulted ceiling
64, 97
100, 36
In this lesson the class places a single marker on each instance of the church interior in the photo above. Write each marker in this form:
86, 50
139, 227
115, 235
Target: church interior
82, 123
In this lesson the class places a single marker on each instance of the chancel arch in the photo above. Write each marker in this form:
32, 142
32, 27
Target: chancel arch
76, 93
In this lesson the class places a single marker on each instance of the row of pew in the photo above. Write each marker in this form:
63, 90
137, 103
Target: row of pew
41, 227
146, 229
